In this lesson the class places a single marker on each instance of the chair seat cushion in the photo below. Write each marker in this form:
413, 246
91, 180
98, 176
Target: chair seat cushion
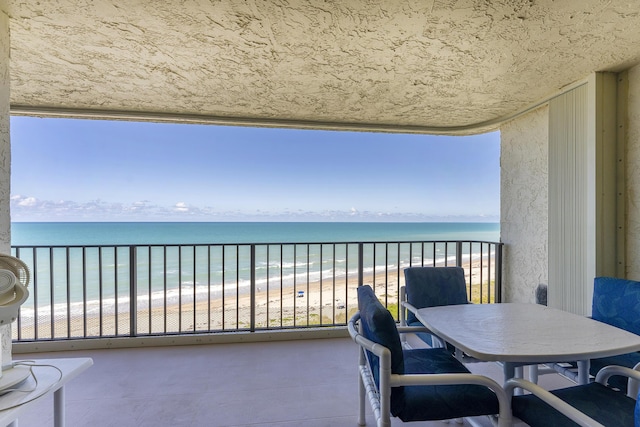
629, 360
442, 401
603, 404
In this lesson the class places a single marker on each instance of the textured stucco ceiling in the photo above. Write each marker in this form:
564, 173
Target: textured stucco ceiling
423, 64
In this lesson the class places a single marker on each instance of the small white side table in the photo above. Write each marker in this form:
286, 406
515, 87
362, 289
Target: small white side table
50, 381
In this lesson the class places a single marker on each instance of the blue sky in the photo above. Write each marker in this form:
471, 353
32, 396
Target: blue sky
89, 170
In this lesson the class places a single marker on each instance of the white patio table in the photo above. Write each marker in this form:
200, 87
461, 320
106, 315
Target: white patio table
526, 334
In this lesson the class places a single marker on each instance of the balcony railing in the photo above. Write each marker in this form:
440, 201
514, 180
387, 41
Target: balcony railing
82, 292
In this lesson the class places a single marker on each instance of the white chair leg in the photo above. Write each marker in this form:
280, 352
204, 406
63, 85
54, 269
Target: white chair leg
361, 397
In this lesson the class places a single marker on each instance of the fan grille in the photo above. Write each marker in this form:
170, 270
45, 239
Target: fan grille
17, 267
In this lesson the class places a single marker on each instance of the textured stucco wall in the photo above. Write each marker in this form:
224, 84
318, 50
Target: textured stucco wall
5, 152
633, 176
5, 165
524, 204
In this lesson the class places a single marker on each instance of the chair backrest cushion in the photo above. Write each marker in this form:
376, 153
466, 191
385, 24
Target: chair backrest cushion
379, 326
434, 286
617, 302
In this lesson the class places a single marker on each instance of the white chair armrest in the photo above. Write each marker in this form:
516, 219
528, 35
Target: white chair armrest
409, 306
437, 341
413, 329
634, 377
633, 386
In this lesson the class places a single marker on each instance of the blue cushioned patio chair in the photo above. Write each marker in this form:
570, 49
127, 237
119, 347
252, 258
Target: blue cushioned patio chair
416, 384
617, 302
591, 405
430, 287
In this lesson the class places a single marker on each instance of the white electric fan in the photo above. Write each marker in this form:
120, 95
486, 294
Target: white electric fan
14, 278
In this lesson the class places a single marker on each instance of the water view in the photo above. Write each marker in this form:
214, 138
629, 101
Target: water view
221, 276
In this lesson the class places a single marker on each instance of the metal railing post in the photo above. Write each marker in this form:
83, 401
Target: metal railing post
133, 291
360, 264
499, 272
458, 254
253, 288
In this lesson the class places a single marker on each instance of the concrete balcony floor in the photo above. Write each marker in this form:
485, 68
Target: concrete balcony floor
310, 383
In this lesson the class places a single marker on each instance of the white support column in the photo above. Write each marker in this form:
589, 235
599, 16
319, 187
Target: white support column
609, 170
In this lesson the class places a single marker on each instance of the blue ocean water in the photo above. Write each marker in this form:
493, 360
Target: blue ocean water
175, 271
132, 233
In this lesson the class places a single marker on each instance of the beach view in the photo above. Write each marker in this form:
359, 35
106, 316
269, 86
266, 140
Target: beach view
216, 228
89, 287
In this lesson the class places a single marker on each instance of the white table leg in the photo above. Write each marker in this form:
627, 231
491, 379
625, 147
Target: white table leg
58, 407
533, 373
583, 371
509, 370
519, 372
513, 370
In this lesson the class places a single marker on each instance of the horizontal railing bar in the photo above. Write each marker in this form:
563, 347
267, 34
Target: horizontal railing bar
347, 242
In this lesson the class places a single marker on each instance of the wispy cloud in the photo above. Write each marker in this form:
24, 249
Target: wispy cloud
28, 208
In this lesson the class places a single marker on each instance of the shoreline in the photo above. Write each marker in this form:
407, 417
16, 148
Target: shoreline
275, 308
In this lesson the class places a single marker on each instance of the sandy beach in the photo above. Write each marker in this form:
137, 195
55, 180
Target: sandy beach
322, 304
